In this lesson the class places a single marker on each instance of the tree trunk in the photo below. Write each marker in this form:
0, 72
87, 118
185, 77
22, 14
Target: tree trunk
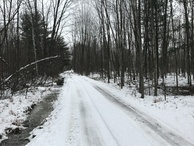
188, 41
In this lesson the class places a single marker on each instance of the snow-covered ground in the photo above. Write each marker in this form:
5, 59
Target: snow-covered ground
14, 110
176, 113
170, 80
85, 116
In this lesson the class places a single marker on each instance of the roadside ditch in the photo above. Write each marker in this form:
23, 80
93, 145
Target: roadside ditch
37, 115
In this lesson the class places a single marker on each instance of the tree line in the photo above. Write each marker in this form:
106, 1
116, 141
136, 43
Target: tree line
141, 40
31, 41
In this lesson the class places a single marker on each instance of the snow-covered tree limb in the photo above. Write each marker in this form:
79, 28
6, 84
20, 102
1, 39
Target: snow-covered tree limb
24, 67
3, 60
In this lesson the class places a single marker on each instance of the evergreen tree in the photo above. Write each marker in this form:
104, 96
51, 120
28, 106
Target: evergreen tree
45, 47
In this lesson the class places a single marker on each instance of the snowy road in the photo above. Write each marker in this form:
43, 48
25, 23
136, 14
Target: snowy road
88, 115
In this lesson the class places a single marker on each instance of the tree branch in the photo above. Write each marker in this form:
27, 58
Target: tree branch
28, 65
3, 60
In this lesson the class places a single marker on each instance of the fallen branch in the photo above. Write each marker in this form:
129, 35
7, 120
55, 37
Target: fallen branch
28, 65
3, 60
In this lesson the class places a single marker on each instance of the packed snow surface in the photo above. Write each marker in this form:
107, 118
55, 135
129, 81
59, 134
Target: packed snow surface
86, 113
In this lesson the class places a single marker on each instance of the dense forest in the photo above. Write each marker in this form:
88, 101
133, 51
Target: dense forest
124, 40
31, 45
142, 40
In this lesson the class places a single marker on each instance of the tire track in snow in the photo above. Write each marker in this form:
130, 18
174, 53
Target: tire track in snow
81, 130
90, 134
74, 127
106, 124
164, 133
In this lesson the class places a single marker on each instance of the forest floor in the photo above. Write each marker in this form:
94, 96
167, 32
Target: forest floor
89, 112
